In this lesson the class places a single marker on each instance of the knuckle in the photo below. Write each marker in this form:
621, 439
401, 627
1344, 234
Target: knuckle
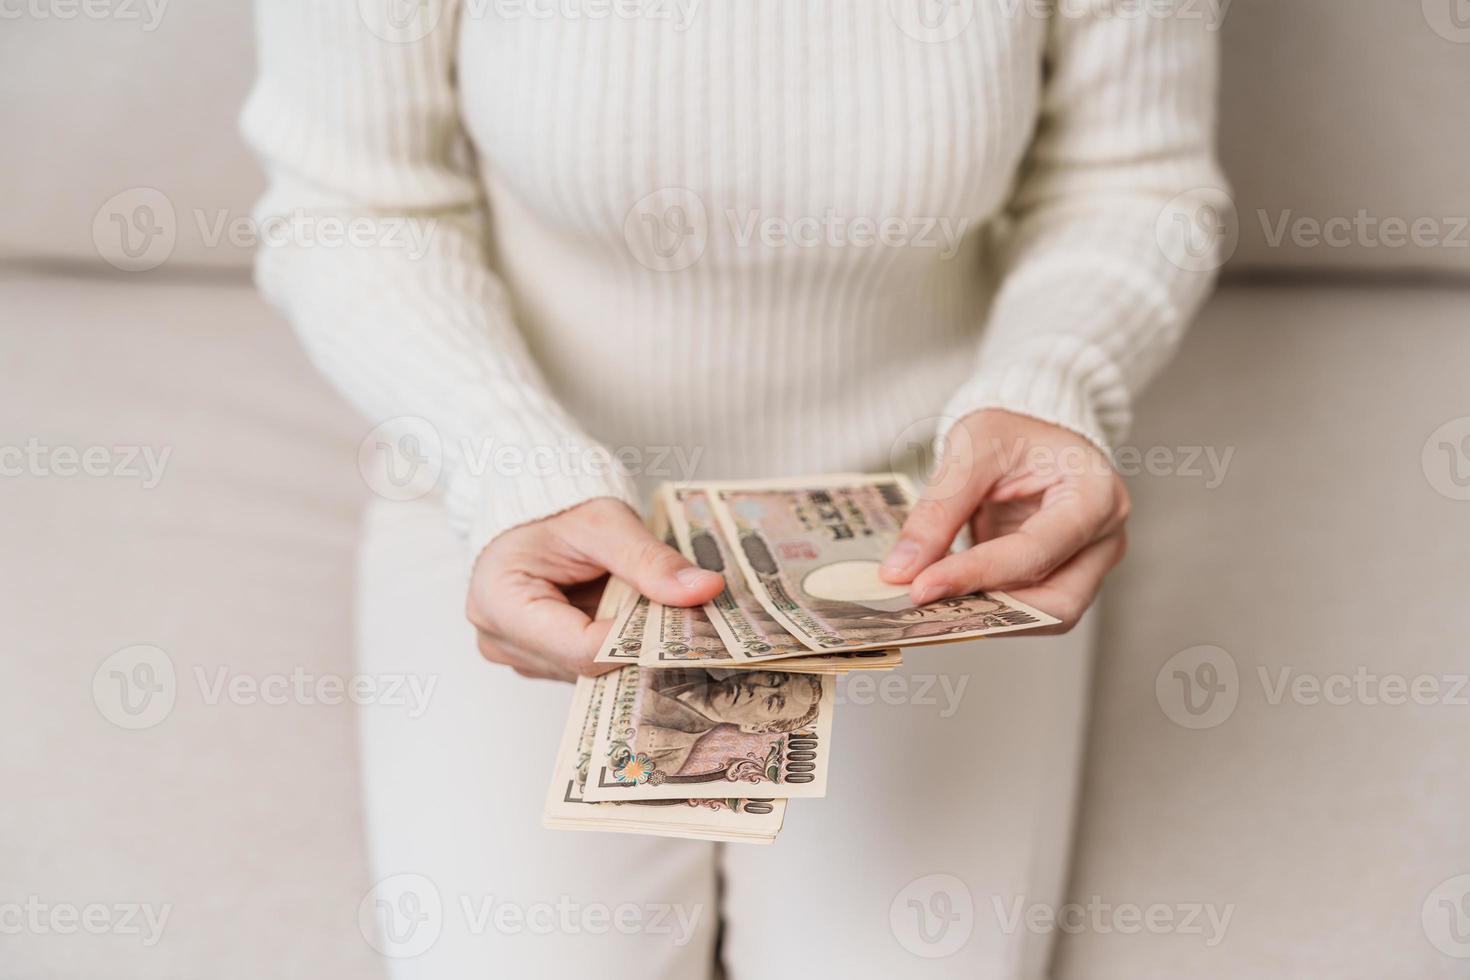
964, 572
475, 612
490, 651
649, 554
1123, 509
969, 574
1030, 564
1069, 610
602, 506
929, 517
483, 613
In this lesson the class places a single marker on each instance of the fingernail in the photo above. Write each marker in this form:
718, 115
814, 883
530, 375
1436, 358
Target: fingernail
904, 554
696, 578
928, 594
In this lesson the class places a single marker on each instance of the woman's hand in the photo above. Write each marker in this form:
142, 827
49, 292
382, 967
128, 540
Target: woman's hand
534, 587
1044, 506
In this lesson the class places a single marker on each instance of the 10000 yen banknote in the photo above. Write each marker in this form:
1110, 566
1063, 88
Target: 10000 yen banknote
655, 635
730, 819
748, 630
689, 733
676, 636
810, 551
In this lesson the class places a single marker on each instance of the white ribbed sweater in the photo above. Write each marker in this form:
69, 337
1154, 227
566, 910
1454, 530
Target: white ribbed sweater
820, 157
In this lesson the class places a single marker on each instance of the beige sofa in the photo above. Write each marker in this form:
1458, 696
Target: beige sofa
1279, 732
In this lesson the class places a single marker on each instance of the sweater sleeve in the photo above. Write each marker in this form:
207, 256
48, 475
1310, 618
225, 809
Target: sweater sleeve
373, 248
1115, 226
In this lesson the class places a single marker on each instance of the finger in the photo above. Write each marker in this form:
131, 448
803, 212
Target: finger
1070, 591
1071, 518
963, 479
626, 548
540, 675
537, 619
994, 520
498, 651
587, 596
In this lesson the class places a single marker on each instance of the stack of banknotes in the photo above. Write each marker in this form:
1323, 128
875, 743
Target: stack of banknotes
718, 715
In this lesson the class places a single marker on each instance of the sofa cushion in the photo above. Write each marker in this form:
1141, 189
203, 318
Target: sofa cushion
182, 515
1281, 708
1323, 539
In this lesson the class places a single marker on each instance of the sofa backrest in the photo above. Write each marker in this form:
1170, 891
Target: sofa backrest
1342, 123
1344, 130
107, 115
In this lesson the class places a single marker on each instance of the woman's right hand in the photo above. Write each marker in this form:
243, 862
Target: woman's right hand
534, 587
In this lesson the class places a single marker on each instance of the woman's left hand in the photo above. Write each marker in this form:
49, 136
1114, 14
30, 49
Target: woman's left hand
1045, 507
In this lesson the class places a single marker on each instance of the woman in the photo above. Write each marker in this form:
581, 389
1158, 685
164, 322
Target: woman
775, 238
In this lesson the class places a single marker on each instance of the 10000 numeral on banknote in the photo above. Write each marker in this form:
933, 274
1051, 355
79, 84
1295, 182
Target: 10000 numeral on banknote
811, 551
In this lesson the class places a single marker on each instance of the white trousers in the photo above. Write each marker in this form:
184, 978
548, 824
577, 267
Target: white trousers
948, 814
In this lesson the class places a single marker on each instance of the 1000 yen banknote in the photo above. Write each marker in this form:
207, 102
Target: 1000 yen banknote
735, 820
689, 733
810, 550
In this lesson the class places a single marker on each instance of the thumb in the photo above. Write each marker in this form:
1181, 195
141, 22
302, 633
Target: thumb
630, 552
